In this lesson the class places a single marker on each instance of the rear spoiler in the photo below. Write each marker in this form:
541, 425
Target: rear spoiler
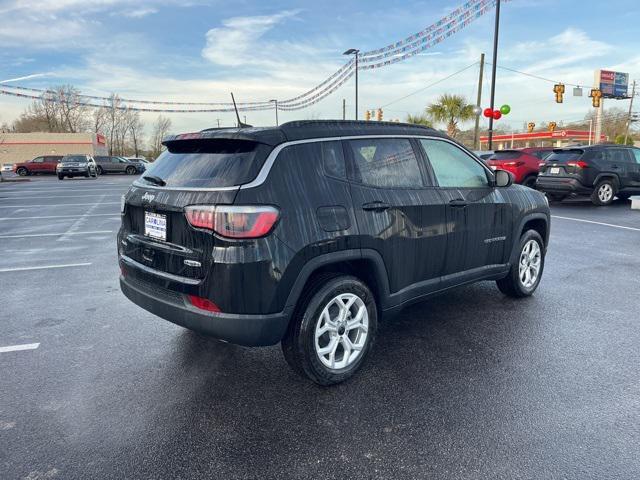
270, 137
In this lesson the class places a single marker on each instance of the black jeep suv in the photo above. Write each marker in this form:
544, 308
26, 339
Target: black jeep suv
307, 233
601, 171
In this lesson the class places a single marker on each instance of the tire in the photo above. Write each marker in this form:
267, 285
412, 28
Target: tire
301, 348
604, 192
530, 182
23, 172
60, 177
100, 171
555, 197
513, 284
130, 170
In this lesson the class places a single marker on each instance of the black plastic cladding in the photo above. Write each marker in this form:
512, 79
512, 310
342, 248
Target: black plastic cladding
418, 246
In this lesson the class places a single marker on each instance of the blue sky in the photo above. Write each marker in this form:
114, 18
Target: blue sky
201, 50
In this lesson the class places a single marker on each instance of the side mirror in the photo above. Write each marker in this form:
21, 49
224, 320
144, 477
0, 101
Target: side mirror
503, 178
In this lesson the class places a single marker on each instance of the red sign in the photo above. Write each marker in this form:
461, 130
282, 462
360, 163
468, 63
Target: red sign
101, 139
607, 77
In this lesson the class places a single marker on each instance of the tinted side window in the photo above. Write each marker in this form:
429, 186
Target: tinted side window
333, 159
616, 155
38, 160
636, 154
385, 162
453, 167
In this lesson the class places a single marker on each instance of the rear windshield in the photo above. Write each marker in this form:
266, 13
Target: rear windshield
564, 156
208, 163
505, 155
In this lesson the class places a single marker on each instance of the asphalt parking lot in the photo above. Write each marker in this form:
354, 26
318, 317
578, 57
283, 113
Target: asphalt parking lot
467, 385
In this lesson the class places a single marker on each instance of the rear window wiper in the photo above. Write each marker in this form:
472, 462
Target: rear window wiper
154, 179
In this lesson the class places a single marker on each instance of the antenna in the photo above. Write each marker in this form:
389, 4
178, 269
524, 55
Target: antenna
235, 107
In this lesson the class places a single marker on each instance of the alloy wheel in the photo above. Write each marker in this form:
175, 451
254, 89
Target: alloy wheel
341, 331
605, 192
530, 263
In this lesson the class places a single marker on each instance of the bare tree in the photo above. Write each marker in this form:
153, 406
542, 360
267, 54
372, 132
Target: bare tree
136, 129
161, 128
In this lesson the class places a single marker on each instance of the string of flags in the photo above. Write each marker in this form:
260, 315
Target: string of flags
393, 53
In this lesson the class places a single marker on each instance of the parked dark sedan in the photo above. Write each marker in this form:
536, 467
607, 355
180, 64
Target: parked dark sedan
112, 164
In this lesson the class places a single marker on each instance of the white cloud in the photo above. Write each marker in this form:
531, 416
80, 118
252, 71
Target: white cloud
237, 41
137, 13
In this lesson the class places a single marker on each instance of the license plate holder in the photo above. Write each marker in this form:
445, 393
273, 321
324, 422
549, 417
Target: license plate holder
554, 171
155, 226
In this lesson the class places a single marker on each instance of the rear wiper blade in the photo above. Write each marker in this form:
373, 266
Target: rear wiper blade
153, 179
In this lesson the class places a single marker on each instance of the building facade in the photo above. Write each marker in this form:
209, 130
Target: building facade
21, 147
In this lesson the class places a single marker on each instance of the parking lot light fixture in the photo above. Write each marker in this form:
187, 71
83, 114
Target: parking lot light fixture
355, 52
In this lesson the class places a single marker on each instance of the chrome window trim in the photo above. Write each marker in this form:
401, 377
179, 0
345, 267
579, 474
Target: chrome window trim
271, 158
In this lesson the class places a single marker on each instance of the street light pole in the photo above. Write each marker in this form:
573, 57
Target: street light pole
493, 72
275, 101
354, 51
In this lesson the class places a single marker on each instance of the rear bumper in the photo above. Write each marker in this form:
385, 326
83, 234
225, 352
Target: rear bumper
562, 185
247, 330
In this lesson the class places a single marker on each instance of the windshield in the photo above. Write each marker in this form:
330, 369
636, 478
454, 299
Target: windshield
75, 158
506, 155
564, 156
208, 163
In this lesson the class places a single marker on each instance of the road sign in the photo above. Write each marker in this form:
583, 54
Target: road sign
612, 84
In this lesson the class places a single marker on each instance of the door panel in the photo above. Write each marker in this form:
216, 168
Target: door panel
397, 215
478, 219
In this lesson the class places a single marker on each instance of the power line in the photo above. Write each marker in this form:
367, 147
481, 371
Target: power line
430, 85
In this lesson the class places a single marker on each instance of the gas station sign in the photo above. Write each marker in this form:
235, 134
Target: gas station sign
612, 84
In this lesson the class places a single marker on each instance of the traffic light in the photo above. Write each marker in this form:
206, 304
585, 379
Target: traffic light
552, 126
596, 95
367, 115
379, 115
530, 127
558, 89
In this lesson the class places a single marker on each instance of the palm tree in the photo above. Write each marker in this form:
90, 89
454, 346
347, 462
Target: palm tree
419, 120
450, 109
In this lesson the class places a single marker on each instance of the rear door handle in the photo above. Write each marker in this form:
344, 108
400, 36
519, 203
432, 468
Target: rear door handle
376, 206
458, 202
615, 167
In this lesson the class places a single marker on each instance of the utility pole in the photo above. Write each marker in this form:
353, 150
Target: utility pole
476, 131
493, 72
218, 122
344, 108
633, 94
275, 102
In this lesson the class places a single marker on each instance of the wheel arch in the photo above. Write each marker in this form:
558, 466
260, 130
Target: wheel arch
534, 221
366, 265
607, 176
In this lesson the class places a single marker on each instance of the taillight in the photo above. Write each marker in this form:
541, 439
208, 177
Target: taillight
540, 164
578, 164
233, 221
203, 303
512, 164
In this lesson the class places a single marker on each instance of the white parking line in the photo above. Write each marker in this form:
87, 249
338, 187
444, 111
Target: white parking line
596, 223
62, 216
62, 196
60, 205
43, 267
95, 232
17, 348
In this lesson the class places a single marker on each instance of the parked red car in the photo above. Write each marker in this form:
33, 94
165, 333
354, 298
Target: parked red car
523, 163
44, 164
